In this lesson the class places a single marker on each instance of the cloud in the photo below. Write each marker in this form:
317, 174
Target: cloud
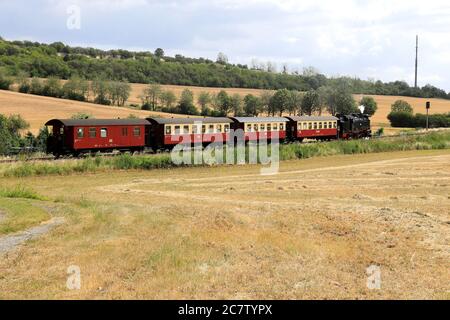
373, 38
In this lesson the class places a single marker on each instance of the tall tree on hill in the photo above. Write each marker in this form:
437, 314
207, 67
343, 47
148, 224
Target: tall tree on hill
294, 102
222, 103
168, 98
370, 105
310, 102
76, 88
265, 98
100, 90
186, 103
159, 53
52, 87
401, 106
150, 96
119, 92
251, 105
339, 100
204, 99
279, 102
236, 105
222, 58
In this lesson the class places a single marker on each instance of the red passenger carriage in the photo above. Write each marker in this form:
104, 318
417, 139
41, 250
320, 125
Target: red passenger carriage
165, 133
256, 129
69, 136
317, 128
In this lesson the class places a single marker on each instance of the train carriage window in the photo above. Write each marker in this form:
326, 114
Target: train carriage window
305, 125
168, 130
185, 129
211, 128
255, 127
226, 128
315, 125
137, 131
325, 125
103, 133
320, 125
281, 126
269, 127
80, 132
177, 130
330, 125
334, 125
219, 128
262, 127
203, 129
124, 131
61, 130
275, 127
195, 129
309, 125
92, 132
249, 128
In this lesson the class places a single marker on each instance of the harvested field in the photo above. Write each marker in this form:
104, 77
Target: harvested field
29, 105
228, 232
37, 110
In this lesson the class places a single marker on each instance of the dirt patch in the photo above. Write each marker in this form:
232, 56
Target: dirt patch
12, 241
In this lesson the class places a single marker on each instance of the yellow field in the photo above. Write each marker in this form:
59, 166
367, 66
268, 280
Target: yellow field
418, 104
37, 110
228, 232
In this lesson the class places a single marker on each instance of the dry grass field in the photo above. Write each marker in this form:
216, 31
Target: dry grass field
418, 104
228, 232
37, 110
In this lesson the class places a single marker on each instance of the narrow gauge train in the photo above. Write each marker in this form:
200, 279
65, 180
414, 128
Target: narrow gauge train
101, 135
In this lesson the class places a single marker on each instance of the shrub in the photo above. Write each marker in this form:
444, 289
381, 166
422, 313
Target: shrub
4, 82
19, 191
401, 119
401, 106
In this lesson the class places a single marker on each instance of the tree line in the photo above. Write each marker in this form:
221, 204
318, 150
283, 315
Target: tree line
402, 116
62, 61
331, 99
98, 91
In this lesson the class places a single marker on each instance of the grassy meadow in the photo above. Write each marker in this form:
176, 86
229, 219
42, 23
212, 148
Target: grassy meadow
229, 232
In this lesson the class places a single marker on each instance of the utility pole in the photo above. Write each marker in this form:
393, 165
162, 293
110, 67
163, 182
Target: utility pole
417, 59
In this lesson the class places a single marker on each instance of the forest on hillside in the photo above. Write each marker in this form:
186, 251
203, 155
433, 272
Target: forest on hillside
33, 59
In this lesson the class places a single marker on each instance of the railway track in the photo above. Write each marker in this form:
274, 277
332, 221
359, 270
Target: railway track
107, 155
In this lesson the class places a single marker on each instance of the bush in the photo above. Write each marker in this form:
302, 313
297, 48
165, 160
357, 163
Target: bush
402, 119
408, 120
370, 104
5, 83
401, 106
147, 106
102, 100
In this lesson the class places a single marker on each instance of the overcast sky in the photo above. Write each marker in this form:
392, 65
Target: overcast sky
368, 39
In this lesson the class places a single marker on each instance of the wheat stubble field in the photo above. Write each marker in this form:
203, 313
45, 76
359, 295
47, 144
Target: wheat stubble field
228, 232
37, 109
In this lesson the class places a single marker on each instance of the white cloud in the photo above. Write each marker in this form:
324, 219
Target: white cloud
372, 38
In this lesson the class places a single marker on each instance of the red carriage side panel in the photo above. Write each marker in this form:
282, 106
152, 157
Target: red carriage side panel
74, 136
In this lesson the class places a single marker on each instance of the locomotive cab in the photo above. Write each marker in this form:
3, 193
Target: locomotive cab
354, 126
